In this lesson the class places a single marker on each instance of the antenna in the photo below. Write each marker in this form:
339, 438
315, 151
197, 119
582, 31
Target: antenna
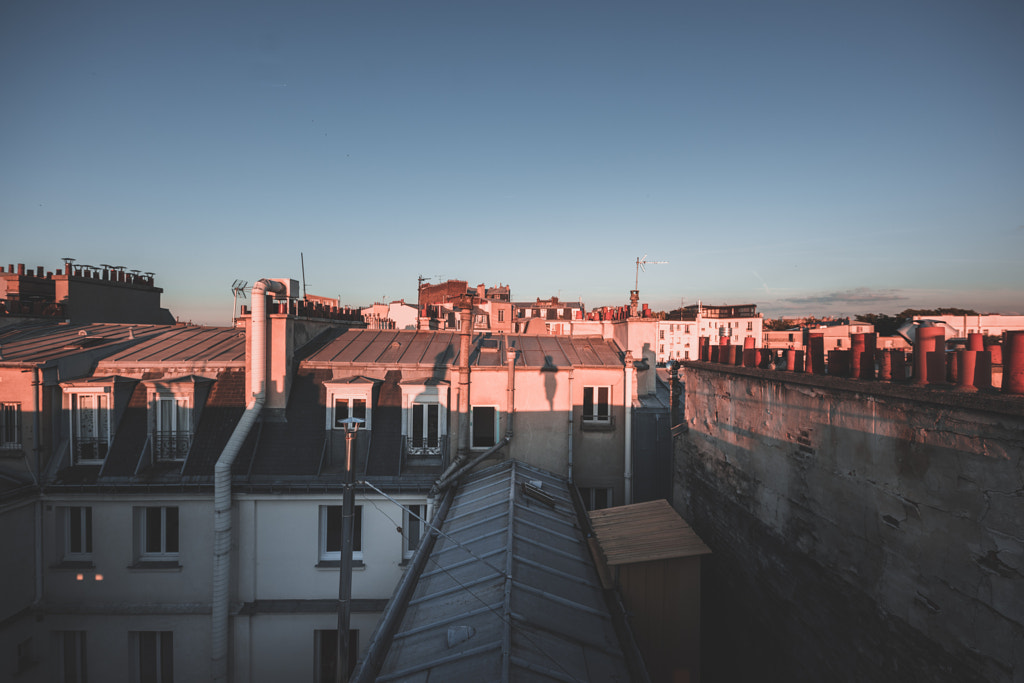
302, 258
642, 261
237, 287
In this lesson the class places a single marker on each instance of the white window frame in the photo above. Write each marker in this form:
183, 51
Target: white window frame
325, 539
81, 517
163, 661
413, 528
591, 496
349, 392
102, 408
424, 394
350, 402
180, 412
70, 645
595, 416
10, 425
495, 427
163, 553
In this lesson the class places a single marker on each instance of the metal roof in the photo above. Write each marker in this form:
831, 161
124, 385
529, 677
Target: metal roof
441, 349
509, 592
42, 343
643, 532
221, 346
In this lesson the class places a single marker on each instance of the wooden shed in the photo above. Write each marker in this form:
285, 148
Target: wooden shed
654, 558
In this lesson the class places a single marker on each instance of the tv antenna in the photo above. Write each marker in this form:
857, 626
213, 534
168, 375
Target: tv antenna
237, 287
642, 261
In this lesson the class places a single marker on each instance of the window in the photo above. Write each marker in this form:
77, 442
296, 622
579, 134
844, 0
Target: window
345, 408
69, 647
425, 433
10, 425
78, 534
687, 329
330, 533
596, 404
25, 658
596, 498
325, 653
412, 529
501, 315
173, 435
90, 427
661, 334
750, 325
157, 529
483, 426
153, 652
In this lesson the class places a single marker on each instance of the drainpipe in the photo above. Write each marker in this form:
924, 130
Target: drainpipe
570, 426
37, 388
222, 478
628, 404
510, 391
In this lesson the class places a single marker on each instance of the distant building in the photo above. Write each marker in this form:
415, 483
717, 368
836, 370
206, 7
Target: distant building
679, 333
81, 294
962, 325
396, 315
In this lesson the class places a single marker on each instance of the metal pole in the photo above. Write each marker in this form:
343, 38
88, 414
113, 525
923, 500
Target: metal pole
345, 575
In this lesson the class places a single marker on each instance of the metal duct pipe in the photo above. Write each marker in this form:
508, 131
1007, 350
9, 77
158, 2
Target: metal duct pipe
222, 478
627, 474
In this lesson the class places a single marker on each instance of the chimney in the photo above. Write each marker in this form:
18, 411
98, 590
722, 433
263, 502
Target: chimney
465, 339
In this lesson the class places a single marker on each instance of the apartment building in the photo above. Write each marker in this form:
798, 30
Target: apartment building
679, 333
184, 500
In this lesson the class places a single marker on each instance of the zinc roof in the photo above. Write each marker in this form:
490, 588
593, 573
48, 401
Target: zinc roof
440, 349
41, 343
509, 592
217, 345
643, 532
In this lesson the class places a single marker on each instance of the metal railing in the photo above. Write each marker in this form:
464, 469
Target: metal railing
434, 451
90, 449
171, 445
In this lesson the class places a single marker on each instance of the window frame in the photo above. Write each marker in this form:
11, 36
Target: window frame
10, 425
83, 534
411, 522
589, 494
594, 416
75, 668
181, 410
102, 423
144, 555
326, 556
163, 656
495, 423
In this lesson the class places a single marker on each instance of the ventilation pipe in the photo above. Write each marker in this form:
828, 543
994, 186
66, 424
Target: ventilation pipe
222, 477
462, 436
571, 425
627, 474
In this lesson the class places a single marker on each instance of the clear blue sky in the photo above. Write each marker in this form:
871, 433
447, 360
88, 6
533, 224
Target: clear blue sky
811, 157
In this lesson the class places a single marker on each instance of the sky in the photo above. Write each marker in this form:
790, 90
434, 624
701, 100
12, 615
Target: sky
814, 158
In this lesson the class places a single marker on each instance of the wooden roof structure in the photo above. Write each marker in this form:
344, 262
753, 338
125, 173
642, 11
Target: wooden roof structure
644, 532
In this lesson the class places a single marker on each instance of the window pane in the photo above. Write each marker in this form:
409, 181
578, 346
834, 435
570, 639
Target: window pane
340, 411
602, 403
588, 401
88, 529
166, 656
332, 543
417, 424
75, 530
147, 657
171, 530
153, 529
357, 529
359, 408
432, 425
483, 427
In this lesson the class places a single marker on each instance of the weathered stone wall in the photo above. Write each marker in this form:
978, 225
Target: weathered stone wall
861, 531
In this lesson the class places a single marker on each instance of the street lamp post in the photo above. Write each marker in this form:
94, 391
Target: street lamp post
345, 575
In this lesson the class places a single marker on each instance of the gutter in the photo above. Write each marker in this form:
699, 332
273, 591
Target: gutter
222, 479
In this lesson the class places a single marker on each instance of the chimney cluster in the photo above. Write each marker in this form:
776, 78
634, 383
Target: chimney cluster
968, 369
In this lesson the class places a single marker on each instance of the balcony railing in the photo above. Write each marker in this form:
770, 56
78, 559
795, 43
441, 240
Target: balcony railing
90, 450
425, 451
171, 446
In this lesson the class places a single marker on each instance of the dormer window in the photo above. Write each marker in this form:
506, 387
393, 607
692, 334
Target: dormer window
90, 427
174, 407
425, 408
350, 397
173, 435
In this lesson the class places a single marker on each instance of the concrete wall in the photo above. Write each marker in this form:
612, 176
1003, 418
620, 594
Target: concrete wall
860, 531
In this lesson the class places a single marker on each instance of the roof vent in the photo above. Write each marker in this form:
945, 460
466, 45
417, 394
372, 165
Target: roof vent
83, 333
459, 634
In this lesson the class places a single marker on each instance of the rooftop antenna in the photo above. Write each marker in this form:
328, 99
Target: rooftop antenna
237, 287
634, 296
302, 258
